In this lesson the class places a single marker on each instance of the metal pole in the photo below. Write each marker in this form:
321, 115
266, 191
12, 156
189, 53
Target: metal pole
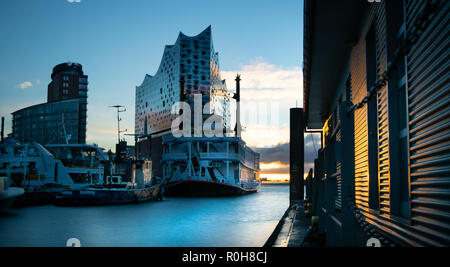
118, 127
237, 97
118, 120
3, 128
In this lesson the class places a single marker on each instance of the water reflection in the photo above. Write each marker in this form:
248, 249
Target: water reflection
233, 221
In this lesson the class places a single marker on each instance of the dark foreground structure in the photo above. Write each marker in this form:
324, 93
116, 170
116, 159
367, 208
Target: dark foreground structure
296, 154
376, 83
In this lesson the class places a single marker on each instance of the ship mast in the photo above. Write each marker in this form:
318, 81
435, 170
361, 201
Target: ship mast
119, 110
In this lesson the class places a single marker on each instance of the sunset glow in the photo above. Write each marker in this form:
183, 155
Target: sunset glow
275, 176
273, 165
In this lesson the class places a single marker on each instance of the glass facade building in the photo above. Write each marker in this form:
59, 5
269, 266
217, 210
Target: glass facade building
64, 116
188, 67
51, 123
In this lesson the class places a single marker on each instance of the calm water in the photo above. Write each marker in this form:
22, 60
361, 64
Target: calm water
233, 221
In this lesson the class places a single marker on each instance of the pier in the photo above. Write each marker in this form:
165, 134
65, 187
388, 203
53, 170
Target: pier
293, 229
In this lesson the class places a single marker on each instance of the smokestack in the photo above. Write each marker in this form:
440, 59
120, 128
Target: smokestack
3, 128
237, 97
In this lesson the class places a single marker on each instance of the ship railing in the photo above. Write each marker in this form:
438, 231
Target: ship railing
219, 156
174, 156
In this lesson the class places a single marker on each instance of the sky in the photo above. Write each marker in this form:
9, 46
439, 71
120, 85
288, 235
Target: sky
118, 42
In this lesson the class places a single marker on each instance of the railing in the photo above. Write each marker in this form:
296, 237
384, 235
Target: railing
174, 157
219, 156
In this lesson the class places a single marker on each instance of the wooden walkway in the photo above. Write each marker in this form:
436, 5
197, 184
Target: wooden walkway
293, 229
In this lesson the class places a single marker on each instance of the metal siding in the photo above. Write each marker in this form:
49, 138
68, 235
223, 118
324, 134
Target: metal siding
338, 198
382, 109
359, 90
429, 123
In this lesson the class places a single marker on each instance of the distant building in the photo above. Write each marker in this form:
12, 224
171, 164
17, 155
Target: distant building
68, 82
188, 67
124, 151
64, 116
376, 85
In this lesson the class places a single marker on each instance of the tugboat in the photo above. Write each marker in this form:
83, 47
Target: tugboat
115, 191
8, 194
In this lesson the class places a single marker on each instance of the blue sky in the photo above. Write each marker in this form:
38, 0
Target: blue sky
118, 42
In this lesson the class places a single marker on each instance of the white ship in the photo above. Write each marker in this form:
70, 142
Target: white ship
205, 166
45, 171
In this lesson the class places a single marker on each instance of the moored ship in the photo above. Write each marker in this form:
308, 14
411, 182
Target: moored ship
209, 166
115, 191
43, 172
188, 92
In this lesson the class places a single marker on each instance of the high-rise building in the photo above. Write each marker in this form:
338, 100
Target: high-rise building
64, 117
188, 67
68, 82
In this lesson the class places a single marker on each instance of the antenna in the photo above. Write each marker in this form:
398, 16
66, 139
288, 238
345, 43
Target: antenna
119, 110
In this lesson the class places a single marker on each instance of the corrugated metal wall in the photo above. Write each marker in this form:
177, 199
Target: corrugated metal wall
359, 91
429, 123
338, 199
382, 111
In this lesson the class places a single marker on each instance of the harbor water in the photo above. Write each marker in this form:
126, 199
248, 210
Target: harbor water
200, 222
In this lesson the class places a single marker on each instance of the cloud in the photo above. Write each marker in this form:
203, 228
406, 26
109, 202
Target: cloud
267, 93
25, 85
74, 1
262, 81
274, 167
278, 156
278, 153
259, 135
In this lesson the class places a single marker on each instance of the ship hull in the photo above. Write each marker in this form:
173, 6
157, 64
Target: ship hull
10, 196
105, 197
35, 199
191, 188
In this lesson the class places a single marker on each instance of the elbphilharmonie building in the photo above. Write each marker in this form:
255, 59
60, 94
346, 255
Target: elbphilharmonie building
190, 66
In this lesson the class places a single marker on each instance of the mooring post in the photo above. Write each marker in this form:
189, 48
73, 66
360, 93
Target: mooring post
296, 155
